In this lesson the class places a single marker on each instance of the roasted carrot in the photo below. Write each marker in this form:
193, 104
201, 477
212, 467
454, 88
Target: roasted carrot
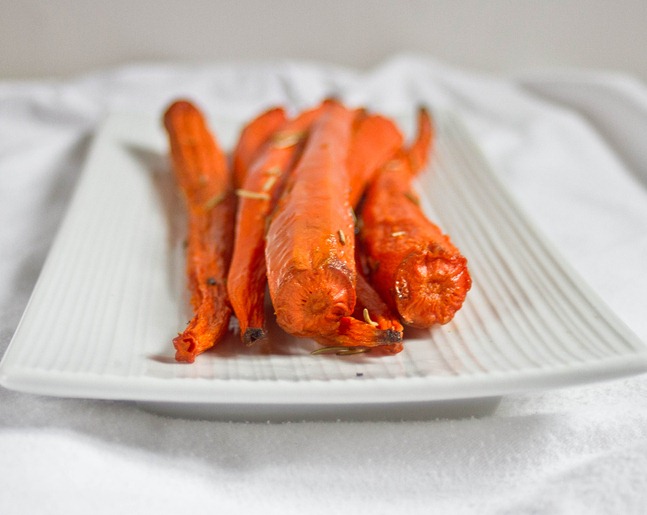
310, 242
354, 335
413, 265
203, 175
251, 140
420, 150
375, 139
264, 182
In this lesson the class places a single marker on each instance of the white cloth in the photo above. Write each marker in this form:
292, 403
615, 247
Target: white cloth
579, 450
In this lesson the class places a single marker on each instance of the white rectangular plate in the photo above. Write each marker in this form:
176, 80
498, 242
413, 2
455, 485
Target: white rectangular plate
110, 299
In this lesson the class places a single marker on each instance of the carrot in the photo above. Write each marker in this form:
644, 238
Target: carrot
413, 265
310, 242
353, 336
251, 140
264, 182
202, 173
420, 150
375, 139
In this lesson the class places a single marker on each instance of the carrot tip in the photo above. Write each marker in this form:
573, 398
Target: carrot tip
390, 336
430, 289
185, 348
253, 334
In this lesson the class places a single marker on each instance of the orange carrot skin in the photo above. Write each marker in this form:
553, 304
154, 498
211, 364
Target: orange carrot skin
375, 139
251, 140
413, 265
266, 177
310, 241
203, 176
420, 150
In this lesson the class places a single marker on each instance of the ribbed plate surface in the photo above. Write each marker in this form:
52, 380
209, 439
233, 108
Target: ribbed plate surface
110, 299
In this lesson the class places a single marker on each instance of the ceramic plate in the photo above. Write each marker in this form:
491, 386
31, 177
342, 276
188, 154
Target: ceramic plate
111, 297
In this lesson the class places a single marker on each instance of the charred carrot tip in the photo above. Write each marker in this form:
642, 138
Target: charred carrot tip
252, 335
391, 336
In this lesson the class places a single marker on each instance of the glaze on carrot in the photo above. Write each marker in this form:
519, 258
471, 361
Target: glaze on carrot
310, 250
413, 265
202, 173
251, 140
264, 182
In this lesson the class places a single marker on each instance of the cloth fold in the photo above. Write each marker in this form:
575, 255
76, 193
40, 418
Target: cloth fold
580, 450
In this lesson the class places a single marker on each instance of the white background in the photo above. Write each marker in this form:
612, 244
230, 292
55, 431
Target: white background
60, 37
